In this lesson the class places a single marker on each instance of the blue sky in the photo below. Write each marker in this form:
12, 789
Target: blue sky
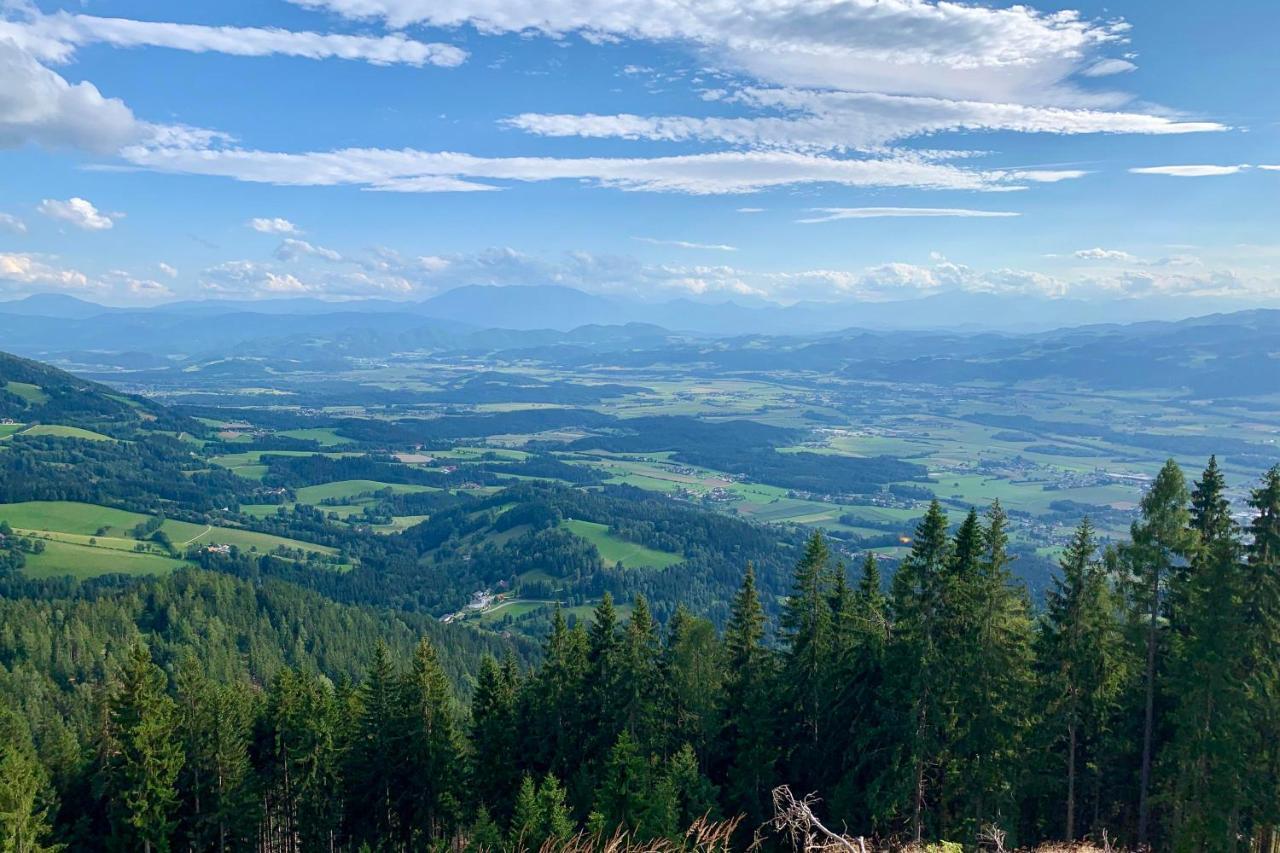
778, 150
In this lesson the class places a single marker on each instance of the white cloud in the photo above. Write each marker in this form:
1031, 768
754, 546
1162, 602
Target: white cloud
145, 288
1107, 67
1270, 168
751, 210
385, 272
78, 212
38, 106
1104, 255
907, 46
407, 170
839, 121
292, 249
684, 244
54, 38
167, 269
831, 214
1190, 171
272, 225
24, 269
9, 222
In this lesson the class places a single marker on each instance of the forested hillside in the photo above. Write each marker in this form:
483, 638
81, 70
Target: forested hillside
205, 713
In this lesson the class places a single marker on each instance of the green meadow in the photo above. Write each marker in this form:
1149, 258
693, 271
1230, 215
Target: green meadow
614, 549
82, 561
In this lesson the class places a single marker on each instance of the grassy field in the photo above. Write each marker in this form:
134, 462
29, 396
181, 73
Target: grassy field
85, 520
33, 394
82, 561
324, 437
58, 431
345, 489
69, 517
616, 550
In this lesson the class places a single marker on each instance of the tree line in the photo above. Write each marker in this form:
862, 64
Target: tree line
1141, 701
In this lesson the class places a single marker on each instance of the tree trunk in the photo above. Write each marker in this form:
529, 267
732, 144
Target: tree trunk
1071, 781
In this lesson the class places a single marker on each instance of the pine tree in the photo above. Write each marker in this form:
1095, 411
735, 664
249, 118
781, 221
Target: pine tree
434, 748
1263, 619
213, 726
693, 794
993, 675
554, 701
526, 817
747, 741
1080, 658
602, 684
141, 755
916, 668
859, 703
641, 697
806, 633
1161, 539
25, 795
1213, 746
693, 675
495, 753
553, 812
303, 794
625, 786
377, 772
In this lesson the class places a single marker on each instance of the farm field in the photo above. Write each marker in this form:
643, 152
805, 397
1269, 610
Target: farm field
82, 561
86, 520
345, 489
617, 550
58, 431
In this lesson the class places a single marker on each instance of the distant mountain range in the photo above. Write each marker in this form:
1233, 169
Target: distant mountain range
563, 308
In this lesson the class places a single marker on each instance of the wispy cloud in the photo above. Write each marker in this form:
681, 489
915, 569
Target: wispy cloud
55, 37
912, 47
11, 223
831, 214
684, 244
728, 172
1107, 67
1190, 171
842, 121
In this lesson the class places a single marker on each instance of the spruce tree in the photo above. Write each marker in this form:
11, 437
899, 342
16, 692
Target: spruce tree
993, 677
693, 676
1161, 540
806, 633
434, 748
1080, 659
625, 786
495, 750
377, 769
214, 720
25, 793
916, 668
142, 755
1213, 747
1263, 617
641, 698
747, 747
